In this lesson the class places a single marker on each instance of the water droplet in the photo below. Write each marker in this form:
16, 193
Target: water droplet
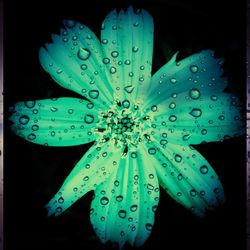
179, 177
83, 53
35, 127
194, 69
129, 89
195, 112
154, 208
112, 70
127, 62
135, 49
93, 94
172, 105
114, 54
89, 118
172, 118
58, 209
116, 183
185, 137
53, 109
119, 198
141, 79
122, 233
221, 117
74, 38
104, 41
133, 208
59, 71
178, 158
106, 60
86, 178
173, 80
24, 119
164, 135
122, 214
214, 98
163, 142
149, 227
31, 137
203, 131
104, 201
194, 94
151, 151
126, 104
60, 200
142, 67
65, 39
71, 111
114, 27
30, 104
84, 66
53, 133
90, 105
204, 169
133, 155
154, 108
130, 74
136, 24
192, 192
150, 186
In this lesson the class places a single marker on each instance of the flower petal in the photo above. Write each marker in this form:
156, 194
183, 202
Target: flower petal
124, 205
204, 118
75, 61
127, 41
187, 177
200, 71
94, 167
55, 122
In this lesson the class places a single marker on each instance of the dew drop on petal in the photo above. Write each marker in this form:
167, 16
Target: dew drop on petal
104, 201
154, 108
173, 80
214, 98
172, 105
119, 198
204, 169
60, 200
151, 151
122, 214
194, 69
126, 104
196, 112
24, 119
194, 94
149, 227
112, 70
31, 137
83, 53
105, 60
114, 54
89, 118
203, 131
178, 158
30, 104
172, 118
84, 66
93, 94
133, 208
135, 49
35, 127
129, 89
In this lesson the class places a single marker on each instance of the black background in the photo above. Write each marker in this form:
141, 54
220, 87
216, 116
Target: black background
33, 173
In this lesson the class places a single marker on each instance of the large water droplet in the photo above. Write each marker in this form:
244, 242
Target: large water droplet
172, 105
129, 89
178, 158
204, 169
30, 104
173, 80
151, 151
154, 108
104, 201
119, 198
133, 208
194, 69
112, 70
194, 94
31, 137
83, 53
93, 94
196, 112
172, 118
114, 54
24, 119
149, 227
122, 214
89, 118
60, 200
126, 104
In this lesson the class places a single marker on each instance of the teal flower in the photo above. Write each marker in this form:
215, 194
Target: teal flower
142, 126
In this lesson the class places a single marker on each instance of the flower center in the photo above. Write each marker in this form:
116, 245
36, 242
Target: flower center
124, 125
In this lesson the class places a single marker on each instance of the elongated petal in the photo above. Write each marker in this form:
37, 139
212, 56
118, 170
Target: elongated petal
200, 71
75, 61
187, 177
55, 122
124, 205
127, 41
184, 119
94, 167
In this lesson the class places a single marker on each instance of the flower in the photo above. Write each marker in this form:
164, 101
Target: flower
142, 126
